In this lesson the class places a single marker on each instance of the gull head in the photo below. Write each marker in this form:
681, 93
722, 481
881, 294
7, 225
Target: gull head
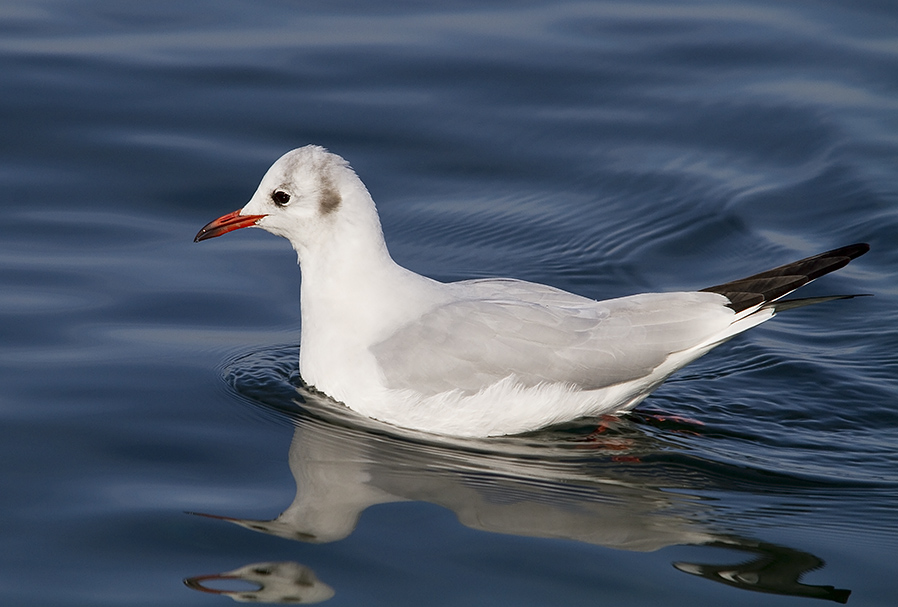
308, 196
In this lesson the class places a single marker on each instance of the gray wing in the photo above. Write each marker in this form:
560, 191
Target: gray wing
541, 334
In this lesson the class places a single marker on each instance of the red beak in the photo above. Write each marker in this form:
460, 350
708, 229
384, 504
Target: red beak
225, 224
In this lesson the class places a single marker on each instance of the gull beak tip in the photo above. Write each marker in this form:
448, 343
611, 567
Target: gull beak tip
226, 223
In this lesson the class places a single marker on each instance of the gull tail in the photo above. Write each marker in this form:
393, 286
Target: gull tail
766, 289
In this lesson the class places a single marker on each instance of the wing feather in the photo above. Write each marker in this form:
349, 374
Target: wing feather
543, 335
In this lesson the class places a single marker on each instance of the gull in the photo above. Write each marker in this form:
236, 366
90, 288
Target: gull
487, 357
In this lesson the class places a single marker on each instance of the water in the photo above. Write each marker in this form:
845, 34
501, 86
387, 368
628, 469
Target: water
604, 148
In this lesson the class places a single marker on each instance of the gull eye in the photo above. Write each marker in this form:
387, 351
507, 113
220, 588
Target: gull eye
280, 197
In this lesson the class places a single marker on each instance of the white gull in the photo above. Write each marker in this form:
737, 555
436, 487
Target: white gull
480, 357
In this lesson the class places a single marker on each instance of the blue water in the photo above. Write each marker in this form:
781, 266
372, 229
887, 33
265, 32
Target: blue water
604, 148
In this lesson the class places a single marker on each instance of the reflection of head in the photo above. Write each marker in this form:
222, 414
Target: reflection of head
285, 582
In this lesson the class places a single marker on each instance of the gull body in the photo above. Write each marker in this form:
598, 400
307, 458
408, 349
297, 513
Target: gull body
479, 357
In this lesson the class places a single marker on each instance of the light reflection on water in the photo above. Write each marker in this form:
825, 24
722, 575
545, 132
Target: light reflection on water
613, 483
605, 148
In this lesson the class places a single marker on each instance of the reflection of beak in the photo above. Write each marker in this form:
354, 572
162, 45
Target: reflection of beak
227, 223
217, 517
195, 583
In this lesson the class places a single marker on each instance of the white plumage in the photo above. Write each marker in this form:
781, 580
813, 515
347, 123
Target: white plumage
479, 357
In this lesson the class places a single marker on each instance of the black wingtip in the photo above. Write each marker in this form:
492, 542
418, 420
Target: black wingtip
852, 251
776, 283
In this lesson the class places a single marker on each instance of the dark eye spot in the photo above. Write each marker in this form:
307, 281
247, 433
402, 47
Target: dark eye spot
330, 199
280, 197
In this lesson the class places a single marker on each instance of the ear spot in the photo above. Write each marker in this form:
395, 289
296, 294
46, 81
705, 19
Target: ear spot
330, 199
280, 197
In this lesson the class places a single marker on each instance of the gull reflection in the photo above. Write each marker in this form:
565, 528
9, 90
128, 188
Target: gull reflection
611, 487
284, 582
774, 570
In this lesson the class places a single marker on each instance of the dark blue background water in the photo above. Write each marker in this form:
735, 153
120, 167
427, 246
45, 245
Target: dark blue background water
605, 148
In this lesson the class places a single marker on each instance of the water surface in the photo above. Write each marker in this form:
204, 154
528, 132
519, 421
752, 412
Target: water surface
155, 428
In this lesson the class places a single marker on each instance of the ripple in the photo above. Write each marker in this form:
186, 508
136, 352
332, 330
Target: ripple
713, 447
